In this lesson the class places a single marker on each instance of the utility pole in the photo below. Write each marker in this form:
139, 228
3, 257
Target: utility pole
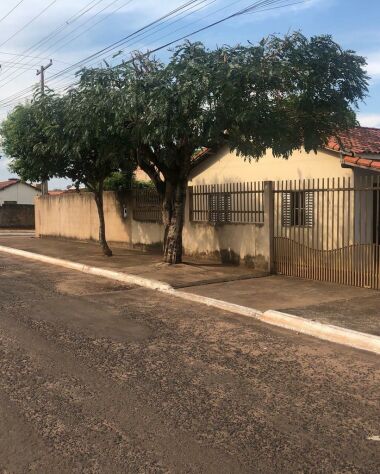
41, 73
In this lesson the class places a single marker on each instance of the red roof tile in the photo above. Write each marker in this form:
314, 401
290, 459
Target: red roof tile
373, 165
9, 182
357, 140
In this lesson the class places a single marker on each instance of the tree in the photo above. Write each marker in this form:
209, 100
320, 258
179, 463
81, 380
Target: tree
26, 141
93, 138
80, 130
283, 94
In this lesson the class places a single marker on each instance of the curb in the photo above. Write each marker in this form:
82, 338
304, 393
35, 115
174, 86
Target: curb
327, 332
110, 274
220, 304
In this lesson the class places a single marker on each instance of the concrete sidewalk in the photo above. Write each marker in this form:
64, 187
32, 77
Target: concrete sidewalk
144, 264
344, 306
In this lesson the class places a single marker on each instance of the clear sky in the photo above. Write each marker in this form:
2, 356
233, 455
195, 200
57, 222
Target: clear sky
33, 31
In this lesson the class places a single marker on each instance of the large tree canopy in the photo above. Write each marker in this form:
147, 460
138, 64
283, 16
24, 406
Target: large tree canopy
283, 94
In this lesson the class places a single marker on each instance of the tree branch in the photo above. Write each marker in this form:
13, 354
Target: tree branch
151, 170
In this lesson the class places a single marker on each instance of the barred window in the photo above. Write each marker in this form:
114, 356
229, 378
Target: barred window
219, 205
298, 209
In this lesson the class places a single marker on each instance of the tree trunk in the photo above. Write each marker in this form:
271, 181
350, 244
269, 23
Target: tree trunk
173, 218
102, 225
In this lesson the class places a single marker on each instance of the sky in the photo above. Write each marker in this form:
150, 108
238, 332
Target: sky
68, 31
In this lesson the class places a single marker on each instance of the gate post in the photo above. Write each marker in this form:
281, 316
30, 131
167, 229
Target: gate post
269, 224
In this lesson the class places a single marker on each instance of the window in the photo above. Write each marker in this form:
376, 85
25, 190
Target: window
219, 205
298, 209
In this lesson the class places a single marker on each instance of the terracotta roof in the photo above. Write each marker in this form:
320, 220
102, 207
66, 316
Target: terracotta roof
9, 182
200, 155
357, 162
357, 140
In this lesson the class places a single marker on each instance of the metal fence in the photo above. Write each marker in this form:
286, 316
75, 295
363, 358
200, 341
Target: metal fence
228, 203
146, 205
329, 230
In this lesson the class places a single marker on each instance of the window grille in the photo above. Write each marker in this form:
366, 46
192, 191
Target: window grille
219, 208
298, 209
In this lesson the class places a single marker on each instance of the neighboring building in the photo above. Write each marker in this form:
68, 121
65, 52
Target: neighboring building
17, 204
15, 191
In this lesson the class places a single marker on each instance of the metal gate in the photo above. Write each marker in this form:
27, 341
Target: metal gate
329, 230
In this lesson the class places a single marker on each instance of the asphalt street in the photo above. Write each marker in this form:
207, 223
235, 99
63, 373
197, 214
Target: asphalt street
99, 377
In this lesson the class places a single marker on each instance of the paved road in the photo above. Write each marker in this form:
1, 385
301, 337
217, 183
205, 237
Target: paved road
97, 377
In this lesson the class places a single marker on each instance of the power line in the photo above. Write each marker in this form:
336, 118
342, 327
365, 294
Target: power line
11, 11
137, 35
121, 41
25, 55
27, 91
253, 7
154, 23
28, 23
89, 6
96, 23
87, 21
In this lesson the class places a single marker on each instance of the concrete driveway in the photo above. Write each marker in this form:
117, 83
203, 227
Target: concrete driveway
99, 377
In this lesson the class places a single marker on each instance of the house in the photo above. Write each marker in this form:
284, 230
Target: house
324, 207
15, 191
356, 149
17, 204
313, 215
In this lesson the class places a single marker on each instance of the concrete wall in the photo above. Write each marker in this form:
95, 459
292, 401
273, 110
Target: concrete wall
75, 216
21, 193
17, 216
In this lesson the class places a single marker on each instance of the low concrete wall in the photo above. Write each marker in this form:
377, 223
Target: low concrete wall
17, 216
74, 216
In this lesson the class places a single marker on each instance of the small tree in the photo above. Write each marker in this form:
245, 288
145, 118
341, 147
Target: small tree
77, 136
93, 139
283, 94
25, 139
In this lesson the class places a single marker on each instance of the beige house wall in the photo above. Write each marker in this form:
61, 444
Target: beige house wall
232, 243
227, 167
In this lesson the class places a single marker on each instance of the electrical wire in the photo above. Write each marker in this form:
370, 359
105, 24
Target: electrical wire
28, 23
139, 30
200, 4
88, 7
11, 11
253, 7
